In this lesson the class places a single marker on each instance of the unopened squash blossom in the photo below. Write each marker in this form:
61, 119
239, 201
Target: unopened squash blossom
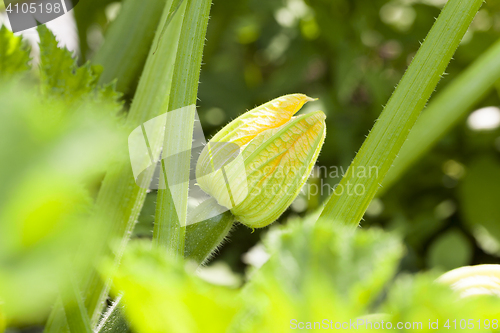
257, 164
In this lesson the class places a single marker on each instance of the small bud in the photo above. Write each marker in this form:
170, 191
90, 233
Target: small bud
278, 153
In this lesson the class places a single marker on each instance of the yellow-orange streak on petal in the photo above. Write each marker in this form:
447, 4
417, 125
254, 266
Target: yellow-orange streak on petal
267, 116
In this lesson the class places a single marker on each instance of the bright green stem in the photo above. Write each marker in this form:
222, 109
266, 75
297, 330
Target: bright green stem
120, 200
74, 308
398, 117
446, 110
203, 238
170, 222
127, 42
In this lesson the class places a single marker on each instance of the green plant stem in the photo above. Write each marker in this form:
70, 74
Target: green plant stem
170, 221
203, 238
398, 117
445, 111
127, 42
74, 308
120, 199
151, 100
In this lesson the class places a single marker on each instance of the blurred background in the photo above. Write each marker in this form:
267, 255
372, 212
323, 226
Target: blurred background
350, 54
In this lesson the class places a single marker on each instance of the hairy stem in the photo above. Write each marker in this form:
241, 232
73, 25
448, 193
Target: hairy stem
170, 219
398, 117
446, 110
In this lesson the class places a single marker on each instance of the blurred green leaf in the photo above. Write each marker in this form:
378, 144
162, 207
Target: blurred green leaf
51, 157
74, 307
421, 228
159, 296
480, 195
317, 270
421, 301
450, 250
2, 319
14, 54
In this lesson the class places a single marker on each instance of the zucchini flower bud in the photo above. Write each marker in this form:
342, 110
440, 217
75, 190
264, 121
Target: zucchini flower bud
257, 164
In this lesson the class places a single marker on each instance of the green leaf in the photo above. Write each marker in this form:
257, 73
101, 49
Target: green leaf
88, 13
59, 72
420, 299
2, 319
108, 92
480, 197
159, 296
61, 76
316, 270
14, 54
450, 250
202, 239
400, 114
45, 205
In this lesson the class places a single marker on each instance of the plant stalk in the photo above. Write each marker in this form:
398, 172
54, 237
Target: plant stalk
446, 110
170, 220
356, 190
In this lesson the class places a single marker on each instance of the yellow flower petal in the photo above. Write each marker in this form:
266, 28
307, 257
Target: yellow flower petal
269, 115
